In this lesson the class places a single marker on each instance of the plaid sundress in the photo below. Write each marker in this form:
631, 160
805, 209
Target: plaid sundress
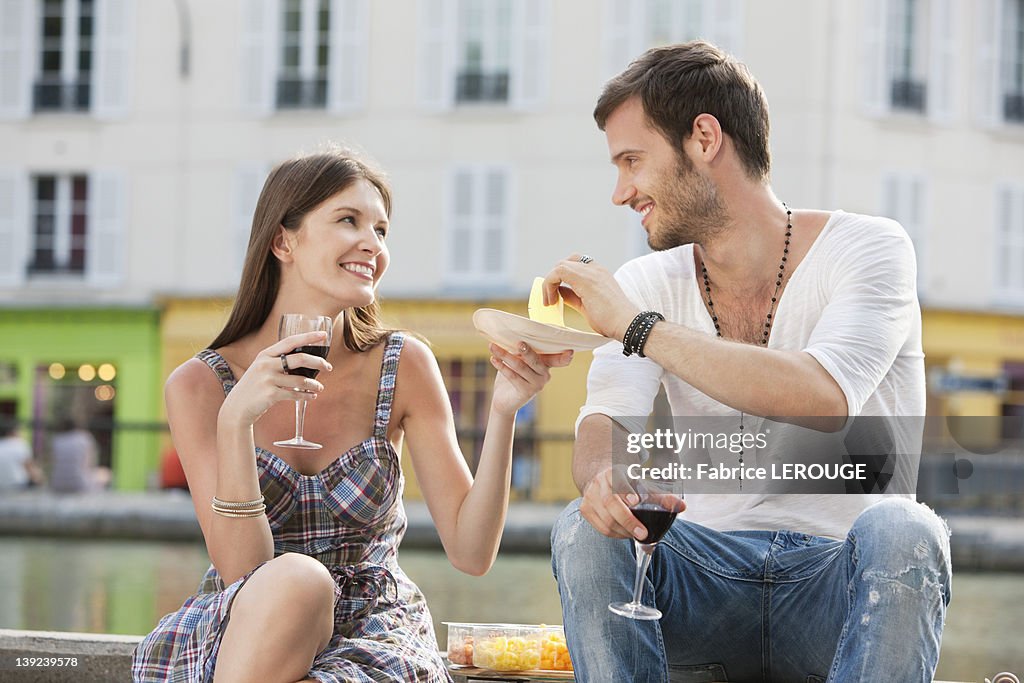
350, 517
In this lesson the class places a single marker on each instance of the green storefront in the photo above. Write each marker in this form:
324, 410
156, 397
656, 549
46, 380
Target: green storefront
97, 366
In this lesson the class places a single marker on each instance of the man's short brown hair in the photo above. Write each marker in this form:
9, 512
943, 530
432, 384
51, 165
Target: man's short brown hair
676, 83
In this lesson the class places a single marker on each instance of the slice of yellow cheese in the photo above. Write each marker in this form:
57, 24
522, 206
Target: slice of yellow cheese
553, 314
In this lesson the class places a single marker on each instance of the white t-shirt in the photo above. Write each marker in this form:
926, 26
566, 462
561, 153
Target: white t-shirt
851, 304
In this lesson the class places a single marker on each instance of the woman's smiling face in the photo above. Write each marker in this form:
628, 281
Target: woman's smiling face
340, 249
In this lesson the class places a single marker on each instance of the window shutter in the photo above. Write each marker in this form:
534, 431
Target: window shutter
875, 57
891, 196
112, 50
436, 59
1015, 232
14, 227
460, 237
942, 63
18, 33
531, 44
259, 55
1001, 253
726, 24
1009, 243
105, 231
915, 224
248, 183
623, 34
495, 217
347, 68
988, 39
903, 200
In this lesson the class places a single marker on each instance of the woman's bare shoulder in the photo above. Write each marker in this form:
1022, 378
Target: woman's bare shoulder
193, 378
417, 359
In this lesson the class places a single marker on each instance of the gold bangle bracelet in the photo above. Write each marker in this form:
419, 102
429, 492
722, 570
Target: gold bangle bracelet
237, 514
238, 505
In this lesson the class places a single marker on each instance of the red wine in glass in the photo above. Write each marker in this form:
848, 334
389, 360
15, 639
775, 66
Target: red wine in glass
655, 519
310, 373
292, 324
656, 509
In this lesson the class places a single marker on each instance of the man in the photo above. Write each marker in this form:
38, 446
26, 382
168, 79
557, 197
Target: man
810, 316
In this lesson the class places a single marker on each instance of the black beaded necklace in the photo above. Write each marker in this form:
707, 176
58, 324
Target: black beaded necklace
771, 308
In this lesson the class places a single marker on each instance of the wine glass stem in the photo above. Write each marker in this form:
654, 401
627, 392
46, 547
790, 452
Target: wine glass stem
300, 419
643, 560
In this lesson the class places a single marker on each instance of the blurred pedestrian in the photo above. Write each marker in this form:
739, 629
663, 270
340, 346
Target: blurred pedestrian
17, 468
75, 460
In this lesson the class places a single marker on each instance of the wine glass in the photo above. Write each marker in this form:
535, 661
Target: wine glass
658, 503
297, 323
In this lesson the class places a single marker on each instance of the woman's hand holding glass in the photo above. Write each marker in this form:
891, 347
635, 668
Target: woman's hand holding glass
521, 375
265, 382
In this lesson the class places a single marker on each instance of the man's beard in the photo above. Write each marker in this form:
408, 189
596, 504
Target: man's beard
691, 209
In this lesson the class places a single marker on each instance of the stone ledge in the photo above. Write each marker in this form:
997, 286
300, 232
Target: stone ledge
101, 658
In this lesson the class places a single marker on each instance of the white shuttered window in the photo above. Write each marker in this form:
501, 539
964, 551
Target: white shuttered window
1009, 244
909, 57
479, 226
66, 227
492, 52
66, 56
304, 54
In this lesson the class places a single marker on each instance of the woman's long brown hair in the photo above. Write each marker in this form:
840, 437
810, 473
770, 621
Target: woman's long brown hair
293, 189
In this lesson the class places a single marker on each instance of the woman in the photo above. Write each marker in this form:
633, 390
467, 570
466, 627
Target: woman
310, 589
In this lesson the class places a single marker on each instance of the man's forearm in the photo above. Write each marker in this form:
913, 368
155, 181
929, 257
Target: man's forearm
592, 451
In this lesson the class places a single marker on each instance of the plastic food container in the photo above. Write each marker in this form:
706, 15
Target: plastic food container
554, 654
508, 647
460, 643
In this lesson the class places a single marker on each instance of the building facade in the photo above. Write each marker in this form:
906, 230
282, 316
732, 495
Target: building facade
135, 137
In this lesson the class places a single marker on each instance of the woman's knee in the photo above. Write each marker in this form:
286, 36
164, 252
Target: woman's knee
296, 582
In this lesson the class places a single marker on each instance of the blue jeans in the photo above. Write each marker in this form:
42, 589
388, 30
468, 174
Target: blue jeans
760, 605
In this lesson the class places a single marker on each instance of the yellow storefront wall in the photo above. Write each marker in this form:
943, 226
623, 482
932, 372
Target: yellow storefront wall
964, 342
188, 325
448, 326
975, 344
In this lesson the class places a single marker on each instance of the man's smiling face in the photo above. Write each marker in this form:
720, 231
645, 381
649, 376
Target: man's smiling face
678, 203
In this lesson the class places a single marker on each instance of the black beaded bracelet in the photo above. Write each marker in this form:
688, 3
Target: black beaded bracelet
631, 332
629, 338
638, 331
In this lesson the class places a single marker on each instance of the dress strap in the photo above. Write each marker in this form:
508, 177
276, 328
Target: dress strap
386, 390
220, 367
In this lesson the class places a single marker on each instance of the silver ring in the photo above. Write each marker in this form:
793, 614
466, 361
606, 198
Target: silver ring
284, 363
585, 259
